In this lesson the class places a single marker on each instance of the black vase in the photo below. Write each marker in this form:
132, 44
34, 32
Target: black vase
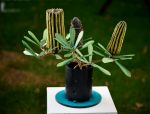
78, 82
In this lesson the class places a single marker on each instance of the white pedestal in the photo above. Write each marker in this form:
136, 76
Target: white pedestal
106, 106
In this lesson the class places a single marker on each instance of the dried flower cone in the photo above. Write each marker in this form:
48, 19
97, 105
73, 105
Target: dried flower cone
77, 25
115, 44
55, 24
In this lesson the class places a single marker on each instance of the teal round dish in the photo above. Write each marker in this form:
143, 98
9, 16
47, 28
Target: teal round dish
94, 100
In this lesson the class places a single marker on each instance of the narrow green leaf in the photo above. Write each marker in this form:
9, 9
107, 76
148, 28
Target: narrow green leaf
27, 52
45, 34
34, 37
68, 36
61, 40
42, 43
107, 60
64, 62
105, 50
49, 50
82, 60
58, 56
79, 52
101, 69
87, 43
67, 47
98, 53
87, 55
30, 53
43, 53
125, 58
100, 45
72, 36
128, 55
124, 70
78, 39
68, 55
87, 39
90, 51
33, 42
120, 56
28, 47
81, 55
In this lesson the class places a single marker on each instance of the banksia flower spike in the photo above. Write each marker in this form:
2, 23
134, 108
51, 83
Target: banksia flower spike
77, 25
115, 44
55, 24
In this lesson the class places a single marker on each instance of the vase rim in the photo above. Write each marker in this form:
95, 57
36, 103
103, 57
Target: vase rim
72, 64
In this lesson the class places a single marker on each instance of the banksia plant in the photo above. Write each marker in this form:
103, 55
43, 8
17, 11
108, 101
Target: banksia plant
55, 24
115, 44
54, 41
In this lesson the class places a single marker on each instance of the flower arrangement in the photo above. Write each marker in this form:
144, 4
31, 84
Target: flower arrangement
72, 48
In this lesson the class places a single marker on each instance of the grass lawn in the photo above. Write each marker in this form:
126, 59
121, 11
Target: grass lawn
23, 79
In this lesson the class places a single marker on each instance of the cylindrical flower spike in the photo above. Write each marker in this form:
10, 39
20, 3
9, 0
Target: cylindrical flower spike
55, 24
77, 25
115, 44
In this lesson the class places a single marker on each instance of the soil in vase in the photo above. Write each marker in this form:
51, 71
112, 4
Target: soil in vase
78, 82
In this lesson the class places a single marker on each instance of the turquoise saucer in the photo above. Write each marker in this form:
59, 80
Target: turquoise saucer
94, 100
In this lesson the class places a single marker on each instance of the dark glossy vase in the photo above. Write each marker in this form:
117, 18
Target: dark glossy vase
78, 82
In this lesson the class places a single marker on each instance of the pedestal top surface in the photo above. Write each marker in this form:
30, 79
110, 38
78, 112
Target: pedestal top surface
106, 106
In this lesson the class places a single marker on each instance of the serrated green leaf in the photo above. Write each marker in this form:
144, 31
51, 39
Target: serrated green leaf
78, 39
72, 36
90, 51
61, 40
98, 53
105, 50
107, 60
101, 69
124, 70
33, 42
64, 62
34, 37
87, 43
68, 55
58, 56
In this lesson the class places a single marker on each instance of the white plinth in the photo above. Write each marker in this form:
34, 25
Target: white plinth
106, 106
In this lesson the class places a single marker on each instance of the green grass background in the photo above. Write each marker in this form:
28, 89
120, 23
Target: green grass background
23, 80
